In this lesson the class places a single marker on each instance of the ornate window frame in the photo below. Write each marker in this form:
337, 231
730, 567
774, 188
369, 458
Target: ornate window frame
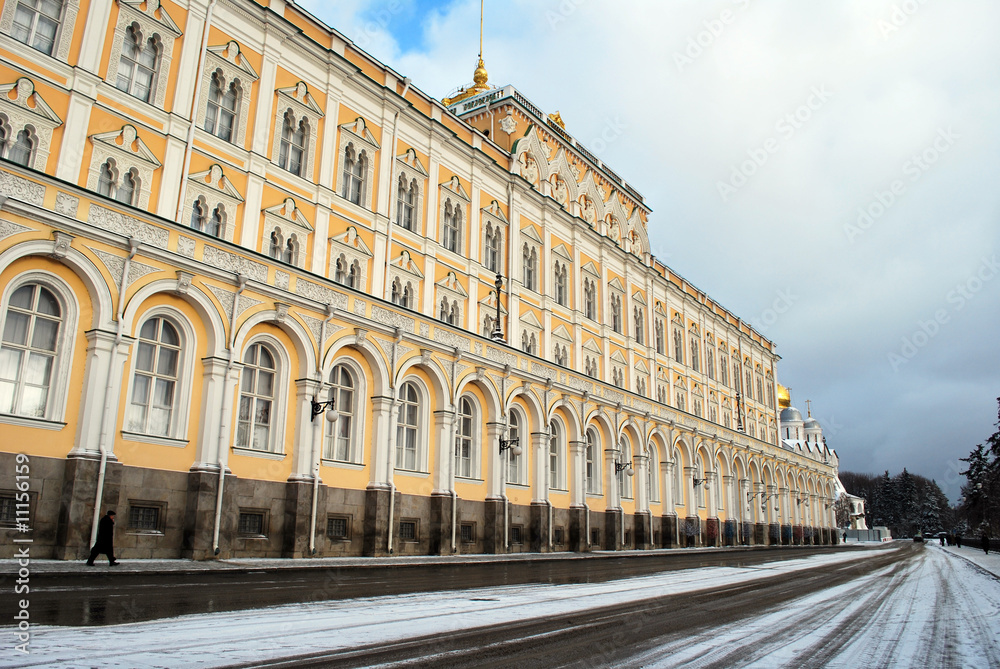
410, 170
354, 249
562, 263
298, 101
493, 217
449, 288
473, 438
233, 65
562, 342
421, 454
406, 271
214, 188
356, 452
153, 20
532, 242
117, 146
67, 23
531, 332
289, 221
279, 398
55, 407
357, 133
185, 375
19, 114
452, 192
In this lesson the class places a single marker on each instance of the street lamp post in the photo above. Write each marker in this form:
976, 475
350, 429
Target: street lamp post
497, 334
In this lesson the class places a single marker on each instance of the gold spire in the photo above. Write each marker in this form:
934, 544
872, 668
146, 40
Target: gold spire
784, 397
480, 77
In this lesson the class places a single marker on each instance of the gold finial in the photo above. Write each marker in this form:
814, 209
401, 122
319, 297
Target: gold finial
557, 119
809, 412
480, 77
784, 397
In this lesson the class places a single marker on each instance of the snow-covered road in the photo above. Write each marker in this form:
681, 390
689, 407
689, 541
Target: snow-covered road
935, 609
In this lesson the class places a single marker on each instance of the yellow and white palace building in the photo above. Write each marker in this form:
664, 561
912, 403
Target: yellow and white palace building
215, 213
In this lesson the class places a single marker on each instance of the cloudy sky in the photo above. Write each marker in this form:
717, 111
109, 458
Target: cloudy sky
827, 170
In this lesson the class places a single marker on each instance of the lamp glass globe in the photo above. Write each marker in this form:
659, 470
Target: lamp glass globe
516, 450
332, 415
630, 471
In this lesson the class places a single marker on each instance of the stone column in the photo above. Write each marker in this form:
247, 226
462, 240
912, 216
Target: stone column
305, 455
729, 530
712, 534
692, 524
496, 479
443, 475
578, 539
382, 468
668, 521
103, 358
539, 512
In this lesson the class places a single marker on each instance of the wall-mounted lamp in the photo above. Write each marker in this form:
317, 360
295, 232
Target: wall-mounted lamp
329, 406
624, 467
512, 444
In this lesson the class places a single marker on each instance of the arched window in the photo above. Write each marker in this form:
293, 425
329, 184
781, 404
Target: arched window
464, 452
256, 399
154, 382
678, 345
616, 313
220, 114
215, 224
555, 457
407, 425
593, 463
590, 299
723, 370
401, 294
126, 188
292, 153
492, 255
106, 180
275, 249
21, 151
561, 281
660, 343
353, 178
138, 64
406, 203
451, 229
640, 329
710, 361
652, 475
625, 457
695, 358
760, 389
36, 23
529, 266
515, 472
661, 394
28, 350
338, 444
291, 251
198, 216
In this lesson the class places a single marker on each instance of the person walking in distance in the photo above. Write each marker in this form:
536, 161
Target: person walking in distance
105, 540
986, 541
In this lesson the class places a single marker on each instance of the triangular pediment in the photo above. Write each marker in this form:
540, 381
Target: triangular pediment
287, 211
494, 211
658, 309
300, 95
451, 284
618, 357
638, 297
568, 173
489, 304
409, 160
529, 318
591, 345
153, 10
530, 232
590, 268
351, 239
661, 374
454, 186
128, 142
405, 263
561, 332
230, 52
215, 179
617, 284
532, 143
640, 366
27, 99
561, 251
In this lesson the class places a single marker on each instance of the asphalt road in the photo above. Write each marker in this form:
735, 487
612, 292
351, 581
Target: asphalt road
119, 597
610, 636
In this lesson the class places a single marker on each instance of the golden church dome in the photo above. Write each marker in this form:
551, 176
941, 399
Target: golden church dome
784, 397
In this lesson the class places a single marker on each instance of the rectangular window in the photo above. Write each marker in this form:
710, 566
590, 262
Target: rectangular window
558, 536
252, 524
408, 530
468, 533
337, 527
36, 23
628, 538
144, 517
515, 534
595, 537
8, 513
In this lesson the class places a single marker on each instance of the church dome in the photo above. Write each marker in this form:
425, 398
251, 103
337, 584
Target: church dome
791, 414
812, 423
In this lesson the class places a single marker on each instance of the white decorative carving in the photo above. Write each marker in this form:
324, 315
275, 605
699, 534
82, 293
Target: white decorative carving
396, 319
359, 307
214, 189
320, 294
231, 66
425, 330
357, 134
451, 339
508, 124
353, 249
315, 326
128, 226
289, 222
281, 280
298, 103
226, 298
64, 33
216, 257
116, 265
185, 246
125, 152
499, 355
9, 228
18, 188
66, 204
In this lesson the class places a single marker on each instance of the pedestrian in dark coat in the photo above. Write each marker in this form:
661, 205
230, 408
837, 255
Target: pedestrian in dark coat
105, 540
986, 542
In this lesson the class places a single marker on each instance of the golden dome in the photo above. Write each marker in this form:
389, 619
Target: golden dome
478, 85
784, 397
